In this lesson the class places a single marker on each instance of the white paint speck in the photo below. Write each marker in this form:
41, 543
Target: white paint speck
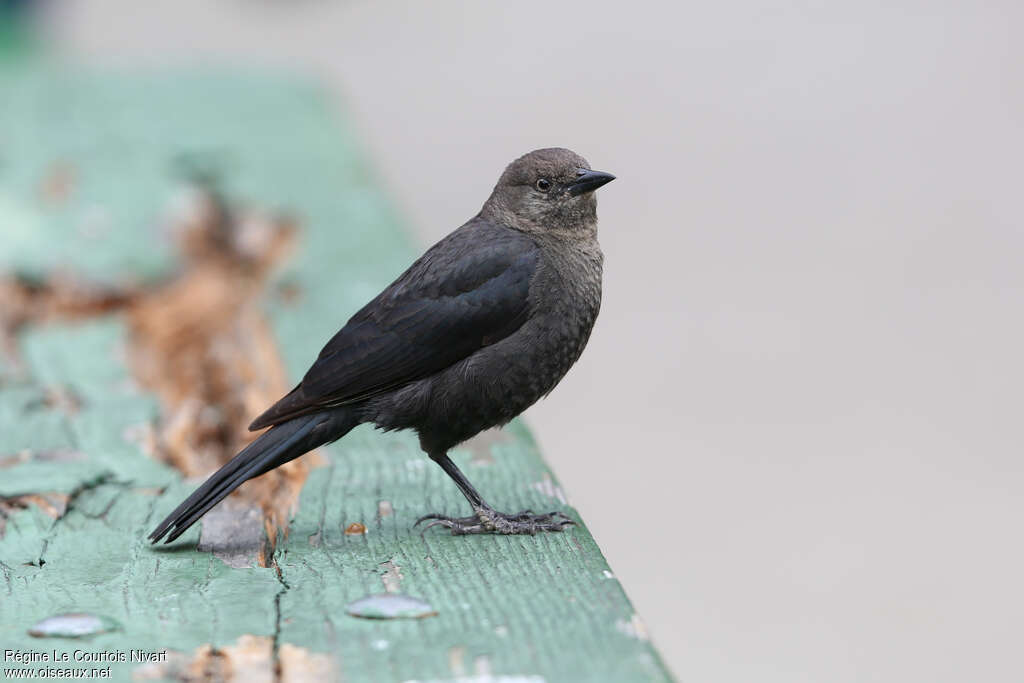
379, 645
482, 665
550, 489
634, 628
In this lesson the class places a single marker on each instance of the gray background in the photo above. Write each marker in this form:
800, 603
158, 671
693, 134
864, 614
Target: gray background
796, 431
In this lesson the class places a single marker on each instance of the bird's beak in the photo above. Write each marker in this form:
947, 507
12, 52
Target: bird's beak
588, 181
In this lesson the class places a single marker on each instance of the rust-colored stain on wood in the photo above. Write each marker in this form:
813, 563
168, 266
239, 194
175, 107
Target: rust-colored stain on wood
62, 296
355, 529
250, 658
58, 183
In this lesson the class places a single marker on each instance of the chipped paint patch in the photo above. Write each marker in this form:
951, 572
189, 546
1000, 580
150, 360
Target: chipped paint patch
550, 489
481, 446
299, 665
199, 341
392, 576
142, 435
53, 505
249, 659
390, 606
58, 397
634, 628
233, 532
384, 509
73, 625
58, 455
457, 659
482, 665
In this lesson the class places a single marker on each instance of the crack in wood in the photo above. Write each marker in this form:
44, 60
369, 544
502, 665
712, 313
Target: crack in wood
7, 577
275, 650
70, 504
52, 504
62, 398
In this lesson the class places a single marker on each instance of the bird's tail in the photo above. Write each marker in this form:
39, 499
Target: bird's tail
279, 445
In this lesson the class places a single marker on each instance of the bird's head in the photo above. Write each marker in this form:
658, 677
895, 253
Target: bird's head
547, 190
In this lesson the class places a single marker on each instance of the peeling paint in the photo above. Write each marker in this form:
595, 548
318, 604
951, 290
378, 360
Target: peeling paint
179, 331
52, 504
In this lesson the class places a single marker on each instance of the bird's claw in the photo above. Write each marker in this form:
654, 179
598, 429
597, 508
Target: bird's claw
488, 521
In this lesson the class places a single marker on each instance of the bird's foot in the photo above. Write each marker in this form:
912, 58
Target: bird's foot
489, 521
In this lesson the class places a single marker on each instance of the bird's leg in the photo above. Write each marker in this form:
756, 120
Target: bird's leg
487, 520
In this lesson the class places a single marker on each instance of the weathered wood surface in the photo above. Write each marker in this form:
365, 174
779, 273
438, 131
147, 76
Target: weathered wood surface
87, 166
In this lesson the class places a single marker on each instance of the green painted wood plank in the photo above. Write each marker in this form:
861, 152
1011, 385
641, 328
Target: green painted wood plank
527, 608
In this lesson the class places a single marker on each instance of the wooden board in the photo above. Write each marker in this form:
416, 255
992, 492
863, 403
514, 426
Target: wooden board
88, 166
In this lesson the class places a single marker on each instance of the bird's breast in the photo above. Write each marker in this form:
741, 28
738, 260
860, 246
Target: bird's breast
504, 378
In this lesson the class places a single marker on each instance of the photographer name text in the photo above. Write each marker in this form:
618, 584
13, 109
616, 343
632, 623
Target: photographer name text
85, 656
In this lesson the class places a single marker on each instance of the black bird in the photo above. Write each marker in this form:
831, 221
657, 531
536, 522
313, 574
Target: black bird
484, 324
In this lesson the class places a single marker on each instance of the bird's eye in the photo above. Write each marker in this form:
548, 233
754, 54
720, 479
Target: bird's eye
543, 184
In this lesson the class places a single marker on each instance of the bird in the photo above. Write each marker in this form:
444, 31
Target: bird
480, 327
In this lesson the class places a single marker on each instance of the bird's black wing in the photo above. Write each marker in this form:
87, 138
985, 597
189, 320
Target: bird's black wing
468, 291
